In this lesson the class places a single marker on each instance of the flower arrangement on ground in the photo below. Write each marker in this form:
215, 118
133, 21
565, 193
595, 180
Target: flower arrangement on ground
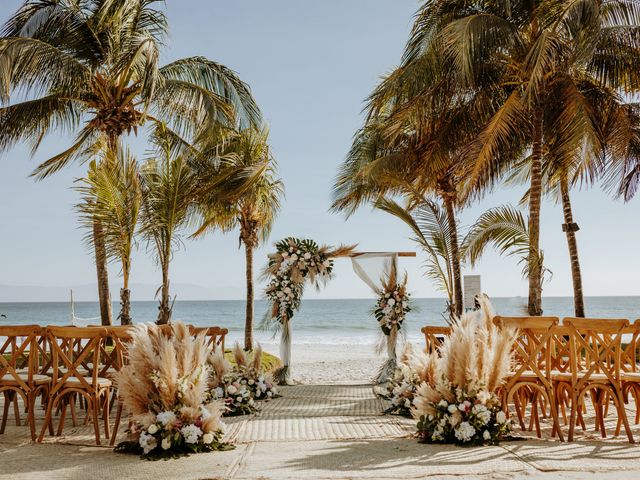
458, 403
242, 385
412, 370
295, 262
164, 389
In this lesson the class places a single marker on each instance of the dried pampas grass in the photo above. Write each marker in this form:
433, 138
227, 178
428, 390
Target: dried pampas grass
165, 372
475, 357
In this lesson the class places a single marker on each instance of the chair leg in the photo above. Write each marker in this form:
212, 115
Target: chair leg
63, 415
623, 413
31, 415
5, 411
105, 414
48, 420
93, 405
116, 425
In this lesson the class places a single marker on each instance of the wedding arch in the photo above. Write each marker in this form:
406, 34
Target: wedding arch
297, 262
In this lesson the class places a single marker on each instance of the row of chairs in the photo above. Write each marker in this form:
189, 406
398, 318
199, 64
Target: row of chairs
63, 366
560, 366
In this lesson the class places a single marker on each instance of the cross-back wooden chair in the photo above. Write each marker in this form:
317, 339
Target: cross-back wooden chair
120, 337
560, 362
69, 376
530, 381
434, 336
18, 352
629, 369
215, 335
596, 354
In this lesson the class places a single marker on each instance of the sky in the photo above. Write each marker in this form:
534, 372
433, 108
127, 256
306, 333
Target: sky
310, 65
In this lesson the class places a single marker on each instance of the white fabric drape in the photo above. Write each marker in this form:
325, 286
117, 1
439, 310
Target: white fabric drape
373, 269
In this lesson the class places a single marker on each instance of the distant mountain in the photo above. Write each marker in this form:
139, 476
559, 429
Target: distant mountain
88, 293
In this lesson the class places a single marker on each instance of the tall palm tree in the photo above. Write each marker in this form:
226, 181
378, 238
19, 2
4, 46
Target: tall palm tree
90, 68
535, 56
111, 195
430, 227
169, 192
251, 206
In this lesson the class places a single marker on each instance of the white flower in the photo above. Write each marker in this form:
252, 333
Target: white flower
207, 438
327, 263
452, 408
269, 394
430, 417
407, 403
239, 399
218, 392
307, 256
153, 428
443, 403
462, 407
391, 301
147, 442
501, 417
191, 433
464, 432
294, 257
486, 435
166, 418
166, 443
231, 389
484, 416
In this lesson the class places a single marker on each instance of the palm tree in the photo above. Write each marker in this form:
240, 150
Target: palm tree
251, 205
169, 192
90, 68
547, 63
111, 195
430, 227
506, 229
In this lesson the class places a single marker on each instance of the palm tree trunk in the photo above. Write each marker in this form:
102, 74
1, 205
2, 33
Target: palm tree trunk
455, 256
570, 228
535, 196
248, 322
125, 306
164, 314
103, 274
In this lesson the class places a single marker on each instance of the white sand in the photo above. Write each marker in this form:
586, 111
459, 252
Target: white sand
332, 364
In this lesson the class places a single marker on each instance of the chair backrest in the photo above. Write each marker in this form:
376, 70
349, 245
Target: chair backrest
596, 348
18, 350
532, 346
215, 335
114, 351
434, 336
73, 348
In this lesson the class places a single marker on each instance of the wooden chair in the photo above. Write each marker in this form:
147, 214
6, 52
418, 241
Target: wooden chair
596, 353
629, 369
69, 375
434, 336
18, 351
530, 382
120, 338
215, 335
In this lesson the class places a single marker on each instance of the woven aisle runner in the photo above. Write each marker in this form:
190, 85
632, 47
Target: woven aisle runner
319, 412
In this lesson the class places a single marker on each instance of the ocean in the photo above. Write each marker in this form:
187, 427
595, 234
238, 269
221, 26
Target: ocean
331, 322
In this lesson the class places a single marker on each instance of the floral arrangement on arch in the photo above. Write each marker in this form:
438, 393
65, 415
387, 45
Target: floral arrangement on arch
295, 262
393, 303
242, 385
164, 389
458, 401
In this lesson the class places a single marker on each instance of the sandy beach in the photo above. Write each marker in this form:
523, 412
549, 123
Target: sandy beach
332, 364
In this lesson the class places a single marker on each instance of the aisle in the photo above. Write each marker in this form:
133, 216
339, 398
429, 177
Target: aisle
320, 412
